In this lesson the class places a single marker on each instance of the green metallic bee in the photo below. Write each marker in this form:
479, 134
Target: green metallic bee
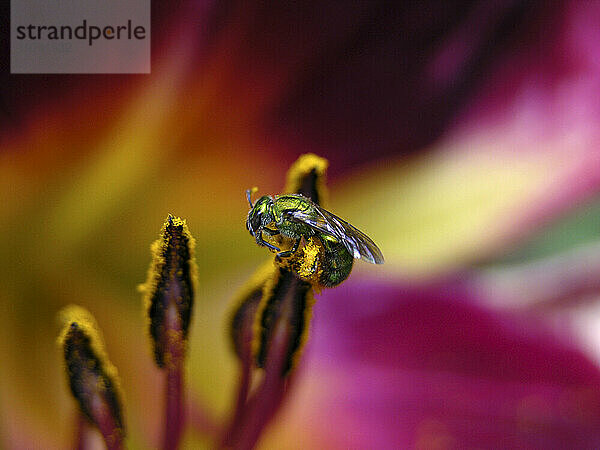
295, 216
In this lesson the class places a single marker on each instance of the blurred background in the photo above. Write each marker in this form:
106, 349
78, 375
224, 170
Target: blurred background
462, 136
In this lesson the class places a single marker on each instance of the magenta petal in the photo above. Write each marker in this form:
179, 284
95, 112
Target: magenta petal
426, 366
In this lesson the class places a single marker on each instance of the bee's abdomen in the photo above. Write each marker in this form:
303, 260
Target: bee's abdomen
336, 262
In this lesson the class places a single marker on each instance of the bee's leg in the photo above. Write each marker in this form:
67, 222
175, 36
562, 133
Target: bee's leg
290, 252
261, 241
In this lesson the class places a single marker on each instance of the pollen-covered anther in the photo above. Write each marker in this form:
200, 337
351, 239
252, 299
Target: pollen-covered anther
307, 177
168, 302
245, 307
286, 306
169, 290
92, 378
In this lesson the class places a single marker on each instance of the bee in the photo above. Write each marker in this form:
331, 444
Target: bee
295, 216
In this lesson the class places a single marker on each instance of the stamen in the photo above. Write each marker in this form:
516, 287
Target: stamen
281, 319
286, 301
168, 299
92, 378
171, 283
307, 177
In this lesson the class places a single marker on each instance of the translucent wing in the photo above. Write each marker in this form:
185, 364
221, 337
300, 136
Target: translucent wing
358, 243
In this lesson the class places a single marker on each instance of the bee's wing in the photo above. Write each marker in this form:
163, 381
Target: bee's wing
358, 243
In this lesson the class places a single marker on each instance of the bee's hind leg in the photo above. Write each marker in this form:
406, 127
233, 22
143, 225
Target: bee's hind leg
290, 252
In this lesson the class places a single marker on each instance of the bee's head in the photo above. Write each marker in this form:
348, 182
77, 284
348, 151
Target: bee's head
260, 214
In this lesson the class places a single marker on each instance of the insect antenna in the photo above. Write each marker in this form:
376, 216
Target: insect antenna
249, 193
